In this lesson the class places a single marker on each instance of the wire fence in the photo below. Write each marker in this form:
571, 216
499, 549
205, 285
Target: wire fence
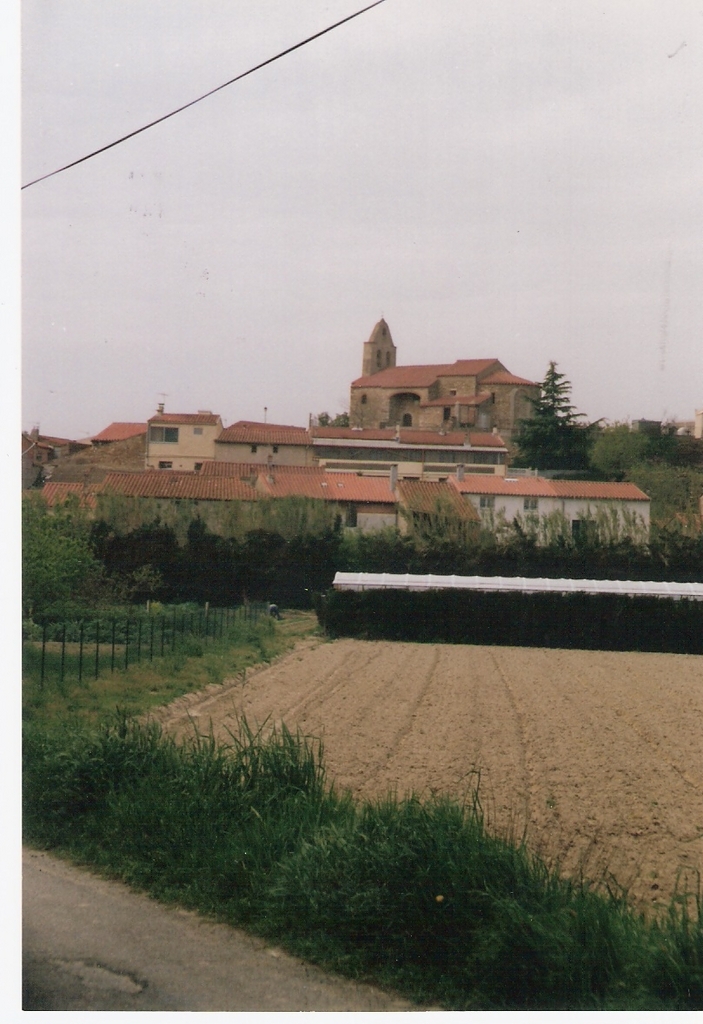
89, 649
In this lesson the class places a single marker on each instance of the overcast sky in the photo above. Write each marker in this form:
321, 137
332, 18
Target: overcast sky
519, 179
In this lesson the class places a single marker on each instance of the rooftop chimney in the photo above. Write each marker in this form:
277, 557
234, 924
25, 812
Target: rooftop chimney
160, 408
460, 472
393, 482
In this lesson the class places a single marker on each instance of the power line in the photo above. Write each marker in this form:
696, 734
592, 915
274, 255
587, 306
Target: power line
205, 95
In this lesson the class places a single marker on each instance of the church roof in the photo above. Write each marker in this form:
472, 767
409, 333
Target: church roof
505, 377
425, 375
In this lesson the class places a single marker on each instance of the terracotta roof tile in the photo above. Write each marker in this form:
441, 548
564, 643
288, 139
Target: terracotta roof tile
478, 440
247, 432
178, 485
424, 496
425, 375
317, 483
120, 432
186, 419
595, 490
211, 467
541, 487
58, 493
505, 377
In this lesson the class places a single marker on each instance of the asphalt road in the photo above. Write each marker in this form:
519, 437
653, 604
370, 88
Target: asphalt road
93, 944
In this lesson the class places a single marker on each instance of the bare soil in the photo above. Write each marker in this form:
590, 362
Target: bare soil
596, 756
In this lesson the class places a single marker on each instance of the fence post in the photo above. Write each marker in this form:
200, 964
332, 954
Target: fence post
63, 649
43, 653
97, 647
80, 654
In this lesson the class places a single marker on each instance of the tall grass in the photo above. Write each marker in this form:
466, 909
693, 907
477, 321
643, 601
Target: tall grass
415, 895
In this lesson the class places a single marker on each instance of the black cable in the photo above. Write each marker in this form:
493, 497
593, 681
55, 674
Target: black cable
205, 95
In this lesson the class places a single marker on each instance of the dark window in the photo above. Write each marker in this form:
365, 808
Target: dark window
487, 501
378, 357
197, 430
350, 517
530, 504
447, 414
275, 448
388, 358
254, 448
165, 465
164, 434
407, 420
363, 399
198, 466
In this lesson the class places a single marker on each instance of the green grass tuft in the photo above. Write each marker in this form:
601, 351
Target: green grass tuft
414, 895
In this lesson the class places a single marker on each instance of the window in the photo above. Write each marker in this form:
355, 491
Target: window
452, 391
350, 516
197, 430
388, 359
165, 465
378, 357
487, 501
275, 449
162, 435
254, 449
198, 466
447, 413
407, 420
530, 504
363, 399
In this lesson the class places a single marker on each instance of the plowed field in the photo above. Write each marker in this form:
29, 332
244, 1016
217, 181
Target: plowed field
597, 755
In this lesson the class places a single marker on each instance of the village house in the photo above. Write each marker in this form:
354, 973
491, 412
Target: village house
367, 503
428, 503
181, 441
264, 444
479, 394
415, 454
505, 498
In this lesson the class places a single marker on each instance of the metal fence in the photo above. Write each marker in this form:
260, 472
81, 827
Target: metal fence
89, 649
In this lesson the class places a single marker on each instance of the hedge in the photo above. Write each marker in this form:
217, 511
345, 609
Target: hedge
607, 622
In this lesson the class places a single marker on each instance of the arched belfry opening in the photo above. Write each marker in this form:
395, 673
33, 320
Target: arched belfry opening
379, 350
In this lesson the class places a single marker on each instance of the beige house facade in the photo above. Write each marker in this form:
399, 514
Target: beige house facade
264, 444
181, 441
479, 394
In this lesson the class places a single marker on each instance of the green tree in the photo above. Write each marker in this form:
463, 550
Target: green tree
340, 420
58, 563
617, 449
553, 437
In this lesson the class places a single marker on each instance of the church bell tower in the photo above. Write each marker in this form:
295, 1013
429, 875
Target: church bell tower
379, 350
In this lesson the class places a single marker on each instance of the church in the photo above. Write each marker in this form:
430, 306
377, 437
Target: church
469, 394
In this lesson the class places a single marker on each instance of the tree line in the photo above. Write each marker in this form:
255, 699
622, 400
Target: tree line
74, 565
